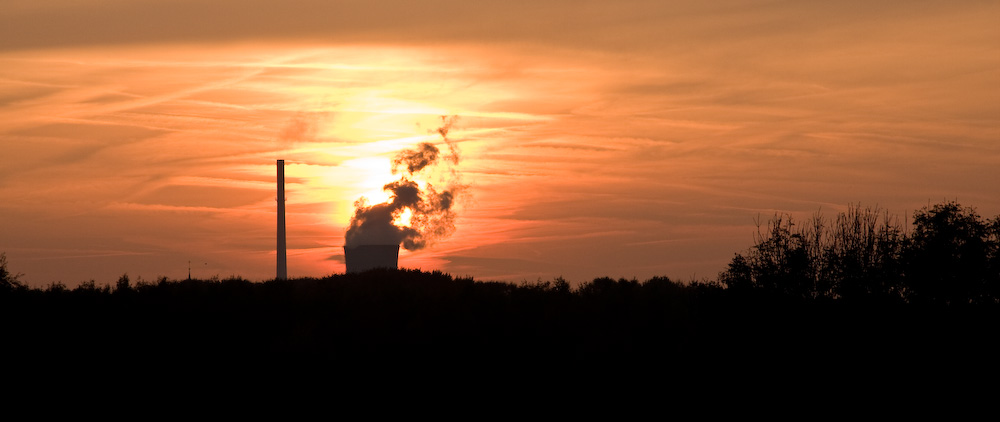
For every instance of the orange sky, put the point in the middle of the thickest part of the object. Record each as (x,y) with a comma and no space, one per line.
(623,139)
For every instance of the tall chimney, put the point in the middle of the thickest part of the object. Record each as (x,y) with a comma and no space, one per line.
(282,258)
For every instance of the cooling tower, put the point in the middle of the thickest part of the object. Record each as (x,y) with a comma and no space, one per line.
(365,257)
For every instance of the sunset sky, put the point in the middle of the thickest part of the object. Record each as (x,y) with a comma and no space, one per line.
(596,138)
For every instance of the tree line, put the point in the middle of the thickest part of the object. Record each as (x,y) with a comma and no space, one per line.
(851,292)
(950,256)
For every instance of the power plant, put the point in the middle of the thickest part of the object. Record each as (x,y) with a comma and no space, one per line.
(281,250)
(362,258)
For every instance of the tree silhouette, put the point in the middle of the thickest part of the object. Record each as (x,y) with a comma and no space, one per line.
(8,280)
(782,261)
(123,283)
(949,256)
(861,257)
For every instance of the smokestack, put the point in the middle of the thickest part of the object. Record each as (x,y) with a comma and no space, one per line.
(282,260)
(366,257)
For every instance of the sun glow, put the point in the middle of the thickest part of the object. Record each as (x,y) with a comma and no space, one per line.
(368,177)
(403,218)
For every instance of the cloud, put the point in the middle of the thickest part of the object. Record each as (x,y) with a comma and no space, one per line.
(301,127)
(644,24)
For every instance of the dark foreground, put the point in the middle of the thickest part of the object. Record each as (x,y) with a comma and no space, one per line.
(395,322)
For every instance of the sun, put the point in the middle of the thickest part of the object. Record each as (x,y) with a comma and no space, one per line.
(403,218)
(369,175)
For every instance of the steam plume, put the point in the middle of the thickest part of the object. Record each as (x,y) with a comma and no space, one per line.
(431,213)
